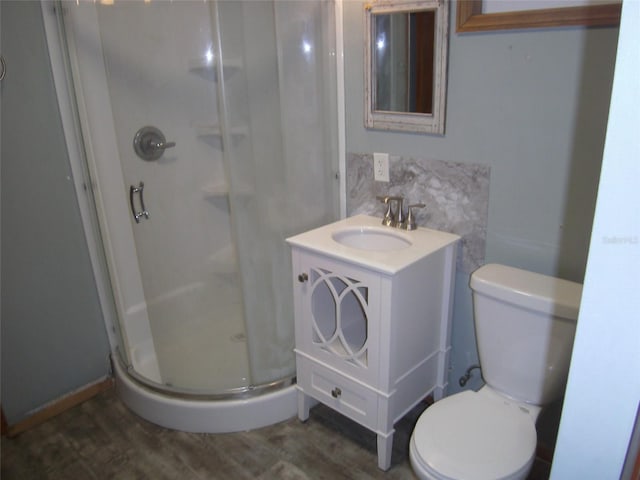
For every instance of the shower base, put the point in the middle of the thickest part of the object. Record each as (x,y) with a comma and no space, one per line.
(204,416)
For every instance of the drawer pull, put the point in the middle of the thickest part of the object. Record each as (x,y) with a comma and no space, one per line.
(336,392)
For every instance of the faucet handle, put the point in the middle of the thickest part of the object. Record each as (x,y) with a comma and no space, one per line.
(388,219)
(399,210)
(410,221)
(398,216)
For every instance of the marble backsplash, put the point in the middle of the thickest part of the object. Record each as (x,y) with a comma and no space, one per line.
(456,197)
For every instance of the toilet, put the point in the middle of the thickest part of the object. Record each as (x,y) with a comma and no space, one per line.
(525,324)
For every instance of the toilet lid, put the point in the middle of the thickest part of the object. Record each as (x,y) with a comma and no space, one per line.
(474,436)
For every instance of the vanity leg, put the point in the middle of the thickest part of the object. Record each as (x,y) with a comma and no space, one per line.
(304,404)
(385,444)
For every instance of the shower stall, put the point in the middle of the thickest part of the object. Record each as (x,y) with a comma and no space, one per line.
(208,134)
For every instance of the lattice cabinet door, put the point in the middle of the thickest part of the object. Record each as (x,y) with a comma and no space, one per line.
(339,320)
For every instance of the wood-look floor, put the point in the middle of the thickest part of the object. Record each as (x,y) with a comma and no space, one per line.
(102,439)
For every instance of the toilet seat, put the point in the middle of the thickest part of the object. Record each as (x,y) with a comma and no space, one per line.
(474,436)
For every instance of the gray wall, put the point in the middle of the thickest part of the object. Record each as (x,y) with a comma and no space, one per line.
(53,336)
(530,104)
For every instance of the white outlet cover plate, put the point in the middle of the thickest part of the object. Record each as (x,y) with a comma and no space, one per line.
(381,167)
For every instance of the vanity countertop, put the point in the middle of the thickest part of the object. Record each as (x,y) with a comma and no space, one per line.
(423,242)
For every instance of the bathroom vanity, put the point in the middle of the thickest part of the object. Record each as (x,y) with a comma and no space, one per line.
(372,320)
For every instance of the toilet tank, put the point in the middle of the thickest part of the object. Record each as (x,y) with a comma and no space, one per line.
(525,325)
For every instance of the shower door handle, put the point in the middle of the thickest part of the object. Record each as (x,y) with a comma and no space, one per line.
(140,191)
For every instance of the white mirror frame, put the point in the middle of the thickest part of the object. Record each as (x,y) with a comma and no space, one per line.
(403,121)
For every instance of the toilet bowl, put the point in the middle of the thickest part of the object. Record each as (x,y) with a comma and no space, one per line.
(476,436)
(525,324)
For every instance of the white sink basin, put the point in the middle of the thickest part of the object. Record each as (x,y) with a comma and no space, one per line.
(371,238)
(362,240)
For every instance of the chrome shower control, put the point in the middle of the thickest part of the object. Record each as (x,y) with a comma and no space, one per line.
(149,143)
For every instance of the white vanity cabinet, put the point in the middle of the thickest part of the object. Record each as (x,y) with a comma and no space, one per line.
(372,326)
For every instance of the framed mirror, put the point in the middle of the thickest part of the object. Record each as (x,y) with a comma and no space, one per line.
(593,13)
(406,65)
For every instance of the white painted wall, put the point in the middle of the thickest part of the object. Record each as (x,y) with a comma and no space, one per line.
(603,391)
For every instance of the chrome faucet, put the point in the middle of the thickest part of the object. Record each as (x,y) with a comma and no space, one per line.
(389,218)
(410,221)
(397,218)
(392,218)
(399,211)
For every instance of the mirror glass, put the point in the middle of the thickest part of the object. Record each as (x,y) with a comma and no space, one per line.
(404,46)
(405,65)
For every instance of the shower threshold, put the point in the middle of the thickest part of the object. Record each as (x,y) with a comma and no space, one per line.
(246,409)
(247,391)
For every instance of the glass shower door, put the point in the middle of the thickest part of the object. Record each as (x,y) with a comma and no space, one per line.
(187,330)
(235,102)
(283,174)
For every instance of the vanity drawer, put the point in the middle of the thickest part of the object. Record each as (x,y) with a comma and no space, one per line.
(350,398)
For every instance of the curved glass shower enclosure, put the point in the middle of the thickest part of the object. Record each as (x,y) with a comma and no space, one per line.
(209,132)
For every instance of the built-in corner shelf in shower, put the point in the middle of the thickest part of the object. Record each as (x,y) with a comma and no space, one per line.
(216,190)
(224,261)
(220,189)
(208,68)
(212,134)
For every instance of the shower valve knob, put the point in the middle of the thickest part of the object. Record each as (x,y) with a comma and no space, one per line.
(303,277)
(149,143)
